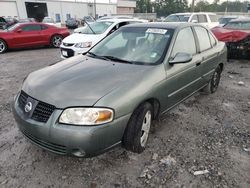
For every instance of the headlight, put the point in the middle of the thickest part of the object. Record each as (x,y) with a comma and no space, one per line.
(83,45)
(86,116)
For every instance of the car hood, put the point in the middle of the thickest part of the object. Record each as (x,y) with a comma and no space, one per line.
(80,81)
(77,38)
(230,35)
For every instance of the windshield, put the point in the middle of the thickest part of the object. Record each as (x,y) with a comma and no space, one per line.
(225,20)
(97,27)
(13,27)
(177,18)
(137,45)
(238,25)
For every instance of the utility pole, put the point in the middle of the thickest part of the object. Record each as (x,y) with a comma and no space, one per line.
(192,6)
(95,7)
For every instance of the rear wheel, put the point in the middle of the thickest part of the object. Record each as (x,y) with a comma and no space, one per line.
(56,41)
(137,130)
(3,46)
(214,82)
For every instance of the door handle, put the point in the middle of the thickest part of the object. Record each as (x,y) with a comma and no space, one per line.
(198,64)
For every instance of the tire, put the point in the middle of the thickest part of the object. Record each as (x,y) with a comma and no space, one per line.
(3,46)
(213,84)
(136,134)
(56,41)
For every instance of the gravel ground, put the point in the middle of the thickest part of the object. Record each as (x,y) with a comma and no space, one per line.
(207,132)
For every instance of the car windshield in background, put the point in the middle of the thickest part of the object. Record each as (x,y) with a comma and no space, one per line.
(48,21)
(134,45)
(224,20)
(13,27)
(177,18)
(238,25)
(97,27)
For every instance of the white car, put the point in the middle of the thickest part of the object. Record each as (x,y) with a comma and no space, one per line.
(207,19)
(50,21)
(88,36)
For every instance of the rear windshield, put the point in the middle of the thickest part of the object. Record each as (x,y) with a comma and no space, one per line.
(177,18)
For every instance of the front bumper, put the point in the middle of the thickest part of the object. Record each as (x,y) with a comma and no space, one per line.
(71,51)
(80,141)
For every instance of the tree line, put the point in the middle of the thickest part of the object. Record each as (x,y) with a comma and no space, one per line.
(166,7)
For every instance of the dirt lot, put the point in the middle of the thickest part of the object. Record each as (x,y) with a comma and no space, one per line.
(207,132)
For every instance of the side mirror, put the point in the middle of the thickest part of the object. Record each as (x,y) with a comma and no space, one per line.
(194,21)
(19,31)
(181,57)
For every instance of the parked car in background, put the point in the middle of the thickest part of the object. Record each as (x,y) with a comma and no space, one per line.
(225,19)
(26,35)
(236,34)
(209,20)
(88,19)
(72,23)
(86,105)
(115,17)
(51,21)
(26,20)
(11,21)
(3,23)
(92,33)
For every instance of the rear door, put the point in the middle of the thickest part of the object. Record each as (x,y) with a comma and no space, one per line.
(182,79)
(28,35)
(206,43)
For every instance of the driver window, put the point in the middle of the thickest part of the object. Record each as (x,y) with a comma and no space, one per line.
(184,42)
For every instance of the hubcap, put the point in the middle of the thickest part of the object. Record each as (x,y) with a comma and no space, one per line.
(2,46)
(57,40)
(145,128)
(216,79)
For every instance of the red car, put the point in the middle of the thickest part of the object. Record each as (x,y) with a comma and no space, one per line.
(236,34)
(25,35)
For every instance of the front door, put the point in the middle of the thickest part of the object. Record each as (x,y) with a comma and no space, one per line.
(183,79)
(28,35)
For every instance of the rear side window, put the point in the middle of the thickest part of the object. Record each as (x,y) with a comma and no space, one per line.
(31,28)
(202,18)
(213,18)
(212,39)
(203,38)
(184,42)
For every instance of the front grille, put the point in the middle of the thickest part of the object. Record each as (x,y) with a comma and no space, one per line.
(60,149)
(68,44)
(42,111)
(22,99)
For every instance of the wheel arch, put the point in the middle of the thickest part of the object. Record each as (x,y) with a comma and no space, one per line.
(221,66)
(5,41)
(155,104)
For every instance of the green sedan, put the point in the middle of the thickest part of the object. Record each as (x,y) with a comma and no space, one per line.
(85,105)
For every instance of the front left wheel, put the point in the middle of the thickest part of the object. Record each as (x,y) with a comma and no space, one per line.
(56,41)
(3,46)
(137,130)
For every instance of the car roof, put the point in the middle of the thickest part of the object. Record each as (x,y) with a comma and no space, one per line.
(163,25)
(190,13)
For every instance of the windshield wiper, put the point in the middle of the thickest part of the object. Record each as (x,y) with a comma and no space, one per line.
(97,56)
(117,59)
